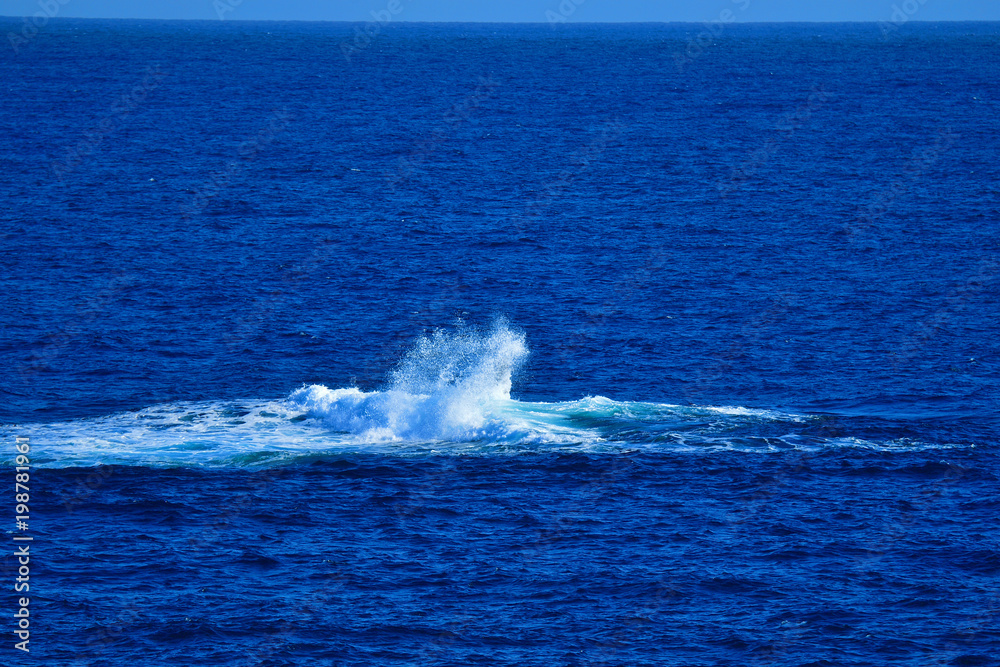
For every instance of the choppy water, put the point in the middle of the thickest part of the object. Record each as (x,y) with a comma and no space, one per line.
(449,395)
(504,344)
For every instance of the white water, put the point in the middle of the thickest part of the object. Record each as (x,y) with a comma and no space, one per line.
(449,395)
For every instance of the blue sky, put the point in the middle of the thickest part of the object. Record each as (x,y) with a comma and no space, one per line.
(519,10)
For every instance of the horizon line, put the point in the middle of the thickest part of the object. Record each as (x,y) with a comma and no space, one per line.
(235,20)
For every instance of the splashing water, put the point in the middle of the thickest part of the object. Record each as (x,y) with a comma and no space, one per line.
(449,394)
(450,386)
(477,363)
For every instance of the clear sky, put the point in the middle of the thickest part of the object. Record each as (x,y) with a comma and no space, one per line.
(520,10)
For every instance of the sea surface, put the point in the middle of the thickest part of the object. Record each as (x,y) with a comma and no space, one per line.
(475,344)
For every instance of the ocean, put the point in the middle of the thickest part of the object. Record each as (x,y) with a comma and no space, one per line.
(496,344)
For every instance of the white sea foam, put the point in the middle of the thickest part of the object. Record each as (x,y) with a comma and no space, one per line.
(449,387)
(449,395)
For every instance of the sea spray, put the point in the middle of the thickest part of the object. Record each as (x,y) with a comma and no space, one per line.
(449,386)
(481,363)
(449,394)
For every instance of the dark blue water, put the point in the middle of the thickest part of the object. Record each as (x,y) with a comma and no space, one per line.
(494,344)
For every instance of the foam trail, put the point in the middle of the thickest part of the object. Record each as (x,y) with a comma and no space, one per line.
(450,395)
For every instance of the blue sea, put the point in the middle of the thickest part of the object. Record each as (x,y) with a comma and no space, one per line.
(495,344)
